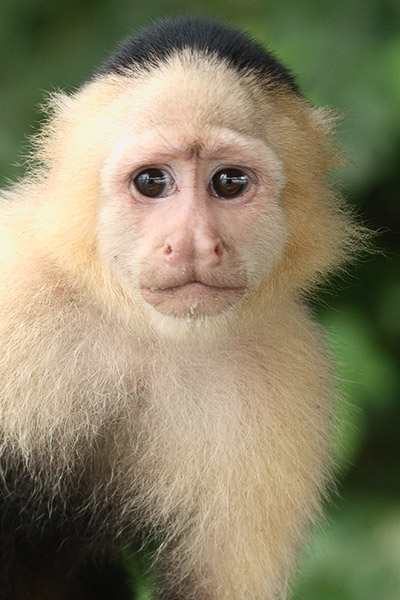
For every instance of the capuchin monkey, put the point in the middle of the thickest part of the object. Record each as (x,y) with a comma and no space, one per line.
(162,378)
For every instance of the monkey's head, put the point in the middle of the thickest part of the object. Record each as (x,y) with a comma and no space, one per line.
(194,169)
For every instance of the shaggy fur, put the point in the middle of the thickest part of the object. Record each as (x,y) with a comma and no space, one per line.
(208,433)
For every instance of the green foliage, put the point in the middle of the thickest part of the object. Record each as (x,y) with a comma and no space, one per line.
(347,56)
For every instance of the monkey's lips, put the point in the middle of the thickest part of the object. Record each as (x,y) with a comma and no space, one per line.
(192,298)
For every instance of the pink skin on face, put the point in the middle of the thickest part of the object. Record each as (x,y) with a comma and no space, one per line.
(193,258)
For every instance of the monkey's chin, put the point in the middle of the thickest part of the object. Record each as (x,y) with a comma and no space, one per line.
(201,318)
(193,300)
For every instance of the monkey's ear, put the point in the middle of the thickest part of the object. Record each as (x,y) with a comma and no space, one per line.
(323,122)
(55,109)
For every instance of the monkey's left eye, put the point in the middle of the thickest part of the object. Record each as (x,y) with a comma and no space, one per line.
(153,182)
(229,183)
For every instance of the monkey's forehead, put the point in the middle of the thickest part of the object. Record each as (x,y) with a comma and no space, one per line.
(189,93)
(155,44)
(185,91)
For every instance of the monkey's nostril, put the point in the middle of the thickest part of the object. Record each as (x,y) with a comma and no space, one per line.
(218,249)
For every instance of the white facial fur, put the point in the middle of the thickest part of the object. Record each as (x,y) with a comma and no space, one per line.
(191,254)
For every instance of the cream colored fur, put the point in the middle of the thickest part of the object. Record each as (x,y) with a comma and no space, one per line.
(211,433)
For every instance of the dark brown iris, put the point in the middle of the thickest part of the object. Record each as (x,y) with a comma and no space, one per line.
(229,183)
(152,182)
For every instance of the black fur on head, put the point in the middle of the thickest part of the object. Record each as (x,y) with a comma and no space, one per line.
(155,43)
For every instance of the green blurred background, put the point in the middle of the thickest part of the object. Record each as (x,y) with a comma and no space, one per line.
(346,55)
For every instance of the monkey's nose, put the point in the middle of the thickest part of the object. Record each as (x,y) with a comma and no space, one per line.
(204,251)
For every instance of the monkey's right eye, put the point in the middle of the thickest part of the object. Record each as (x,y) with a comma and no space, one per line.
(153,182)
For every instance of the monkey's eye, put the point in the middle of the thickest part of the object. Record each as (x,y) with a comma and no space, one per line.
(153,182)
(229,183)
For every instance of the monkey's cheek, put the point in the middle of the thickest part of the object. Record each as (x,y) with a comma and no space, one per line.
(192,300)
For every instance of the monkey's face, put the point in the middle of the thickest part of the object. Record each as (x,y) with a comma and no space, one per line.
(191,220)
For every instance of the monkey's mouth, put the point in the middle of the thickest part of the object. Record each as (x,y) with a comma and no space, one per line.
(192,298)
